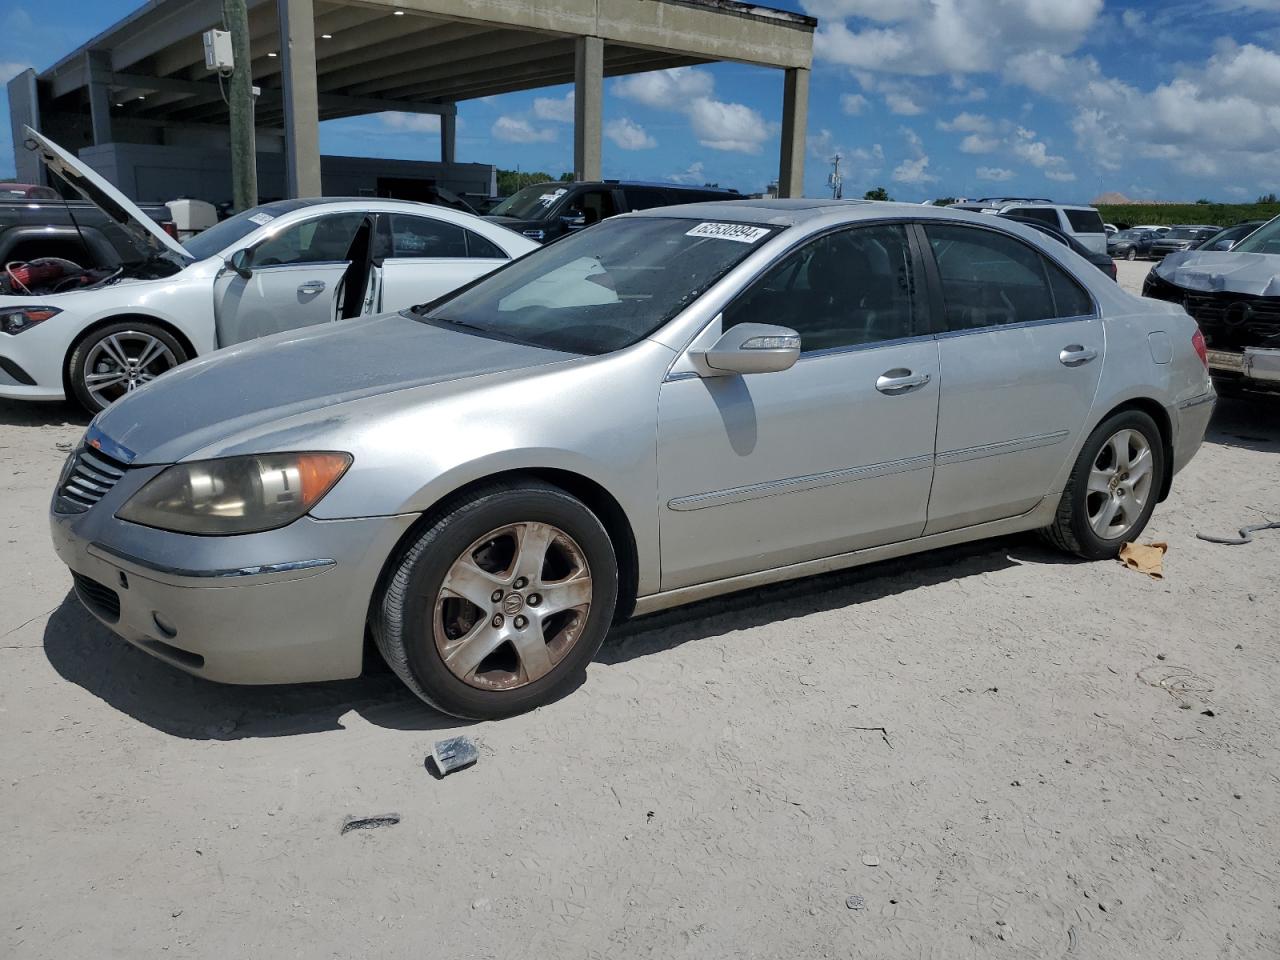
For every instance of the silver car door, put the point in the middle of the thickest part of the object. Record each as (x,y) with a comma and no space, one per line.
(831,455)
(1020,362)
(296,280)
(426,258)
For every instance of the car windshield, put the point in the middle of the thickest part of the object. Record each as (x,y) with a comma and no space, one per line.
(531,203)
(222,235)
(1266,239)
(601,289)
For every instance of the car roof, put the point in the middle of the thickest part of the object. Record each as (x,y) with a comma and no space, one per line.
(794,212)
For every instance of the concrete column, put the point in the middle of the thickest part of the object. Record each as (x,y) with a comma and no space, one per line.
(795,120)
(588,106)
(301,103)
(449,135)
(99,64)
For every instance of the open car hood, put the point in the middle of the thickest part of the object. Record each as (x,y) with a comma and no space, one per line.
(108,199)
(1216,271)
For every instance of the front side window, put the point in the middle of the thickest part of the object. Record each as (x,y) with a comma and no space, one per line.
(602,289)
(991,279)
(319,240)
(425,237)
(845,289)
(592,205)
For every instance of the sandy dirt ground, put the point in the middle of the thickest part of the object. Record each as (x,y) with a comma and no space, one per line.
(1001,751)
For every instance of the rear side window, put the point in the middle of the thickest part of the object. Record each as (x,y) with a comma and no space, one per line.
(1043,214)
(992,279)
(480,248)
(646,198)
(425,237)
(1085,221)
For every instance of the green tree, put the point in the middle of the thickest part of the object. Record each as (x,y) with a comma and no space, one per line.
(1203,202)
(1268,198)
(879,193)
(944,201)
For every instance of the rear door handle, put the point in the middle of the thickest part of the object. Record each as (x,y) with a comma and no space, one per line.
(1074,355)
(900,380)
(311,287)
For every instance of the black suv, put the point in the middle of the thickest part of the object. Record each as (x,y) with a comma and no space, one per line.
(547,211)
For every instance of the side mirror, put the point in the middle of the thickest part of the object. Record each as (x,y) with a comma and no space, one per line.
(754,348)
(242,262)
(574,222)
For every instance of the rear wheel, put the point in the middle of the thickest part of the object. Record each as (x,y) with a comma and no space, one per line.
(1113,488)
(1132,254)
(500,603)
(117,359)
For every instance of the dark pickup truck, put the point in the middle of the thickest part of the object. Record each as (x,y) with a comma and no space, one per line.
(72,230)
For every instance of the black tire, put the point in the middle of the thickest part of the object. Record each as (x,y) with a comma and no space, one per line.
(1132,254)
(1071,531)
(403,617)
(78,361)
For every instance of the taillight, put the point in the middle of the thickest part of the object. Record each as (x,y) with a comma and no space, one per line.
(1113,271)
(1197,341)
(170,228)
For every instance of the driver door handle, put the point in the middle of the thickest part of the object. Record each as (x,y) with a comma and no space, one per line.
(310,287)
(1074,355)
(899,380)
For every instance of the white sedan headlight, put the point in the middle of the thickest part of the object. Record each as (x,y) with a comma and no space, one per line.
(237,494)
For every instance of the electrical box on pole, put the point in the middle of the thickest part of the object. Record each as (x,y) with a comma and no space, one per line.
(218,54)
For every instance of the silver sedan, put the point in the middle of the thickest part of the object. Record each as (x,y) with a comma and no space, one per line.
(671,405)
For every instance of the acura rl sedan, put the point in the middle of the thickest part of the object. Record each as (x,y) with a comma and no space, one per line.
(671,405)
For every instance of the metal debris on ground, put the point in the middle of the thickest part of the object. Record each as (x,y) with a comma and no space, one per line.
(1146,558)
(870,860)
(1176,680)
(1246,534)
(454,754)
(369,823)
(855,902)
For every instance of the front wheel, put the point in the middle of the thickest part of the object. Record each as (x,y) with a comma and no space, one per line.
(500,604)
(1113,488)
(1132,254)
(117,359)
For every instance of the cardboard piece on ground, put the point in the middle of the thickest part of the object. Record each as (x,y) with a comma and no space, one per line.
(1146,558)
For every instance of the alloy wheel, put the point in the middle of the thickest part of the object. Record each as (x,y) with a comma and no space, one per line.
(1120,484)
(123,361)
(512,606)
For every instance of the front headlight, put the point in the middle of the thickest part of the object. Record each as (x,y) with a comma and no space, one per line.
(235,495)
(16,320)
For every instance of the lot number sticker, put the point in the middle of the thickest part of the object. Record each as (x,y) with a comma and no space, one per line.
(738,232)
(261,219)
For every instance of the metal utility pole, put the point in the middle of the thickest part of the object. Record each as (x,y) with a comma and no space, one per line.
(244,155)
(834,180)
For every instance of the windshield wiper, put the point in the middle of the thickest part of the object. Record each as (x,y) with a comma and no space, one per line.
(454,323)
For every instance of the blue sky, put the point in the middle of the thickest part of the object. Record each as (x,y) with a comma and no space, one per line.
(1057,98)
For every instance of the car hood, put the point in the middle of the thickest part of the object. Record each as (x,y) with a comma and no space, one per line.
(1214,271)
(107,198)
(249,386)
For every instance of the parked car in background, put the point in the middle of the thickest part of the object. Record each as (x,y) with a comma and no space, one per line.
(547,211)
(1110,228)
(1229,237)
(100,334)
(1100,260)
(1181,237)
(1083,223)
(38,228)
(1235,298)
(26,191)
(1130,244)
(672,405)
(1156,228)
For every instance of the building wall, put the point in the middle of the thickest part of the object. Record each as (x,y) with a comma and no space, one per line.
(154,172)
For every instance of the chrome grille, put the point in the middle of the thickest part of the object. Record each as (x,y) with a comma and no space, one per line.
(91,476)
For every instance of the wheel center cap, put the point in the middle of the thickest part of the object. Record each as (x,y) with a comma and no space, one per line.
(512,604)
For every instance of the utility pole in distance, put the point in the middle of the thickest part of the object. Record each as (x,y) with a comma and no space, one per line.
(244,156)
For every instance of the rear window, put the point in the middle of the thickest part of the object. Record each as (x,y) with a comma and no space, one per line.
(1085,221)
(1043,214)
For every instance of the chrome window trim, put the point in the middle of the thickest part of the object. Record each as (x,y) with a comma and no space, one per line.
(813,481)
(1020,325)
(861,347)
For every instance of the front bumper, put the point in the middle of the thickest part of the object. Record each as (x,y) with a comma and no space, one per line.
(1254,368)
(286,606)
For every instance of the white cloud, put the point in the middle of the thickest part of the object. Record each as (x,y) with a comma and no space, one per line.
(415,122)
(928,37)
(728,126)
(853,103)
(976,143)
(967,123)
(692,174)
(1062,176)
(516,130)
(665,89)
(914,171)
(629,135)
(556,109)
(995,174)
(1028,149)
(902,105)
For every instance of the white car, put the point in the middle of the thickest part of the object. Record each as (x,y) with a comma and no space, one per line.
(98,334)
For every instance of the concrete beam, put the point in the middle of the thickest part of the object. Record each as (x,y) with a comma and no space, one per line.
(301,104)
(795,113)
(426,82)
(506,46)
(588,106)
